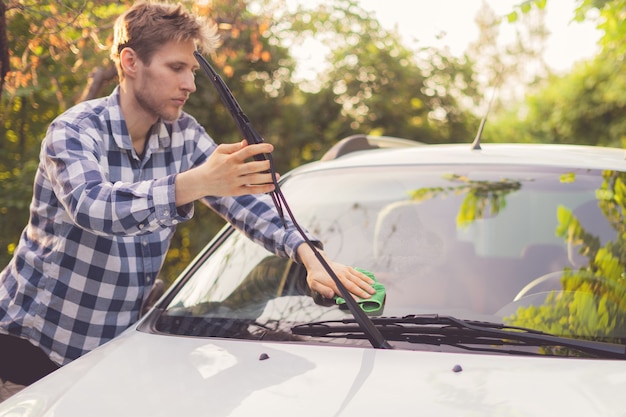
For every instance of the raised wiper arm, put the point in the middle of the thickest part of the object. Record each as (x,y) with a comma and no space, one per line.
(436,329)
(252,136)
(243,123)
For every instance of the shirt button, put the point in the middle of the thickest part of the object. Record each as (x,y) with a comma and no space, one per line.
(166,212)
(144,242)
(140,226)
(174,221)
(148,279)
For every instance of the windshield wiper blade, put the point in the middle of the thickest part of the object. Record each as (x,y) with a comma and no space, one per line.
(447,330)
(252,136)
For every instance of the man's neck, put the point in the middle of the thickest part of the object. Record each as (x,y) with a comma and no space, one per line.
(138,122)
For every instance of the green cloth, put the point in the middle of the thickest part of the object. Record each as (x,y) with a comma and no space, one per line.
(372,304)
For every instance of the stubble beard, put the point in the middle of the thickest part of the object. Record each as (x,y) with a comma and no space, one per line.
(151,106)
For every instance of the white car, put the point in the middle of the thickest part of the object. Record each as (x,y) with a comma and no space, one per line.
(504,295)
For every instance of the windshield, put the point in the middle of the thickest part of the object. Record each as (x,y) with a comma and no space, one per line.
(537,249)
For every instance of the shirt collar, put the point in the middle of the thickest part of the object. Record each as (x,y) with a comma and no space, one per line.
(117,124)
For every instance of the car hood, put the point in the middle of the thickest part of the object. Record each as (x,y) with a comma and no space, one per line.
(139,374)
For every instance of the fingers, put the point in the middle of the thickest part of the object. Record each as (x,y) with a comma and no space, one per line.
(259,178)
(254,167)
(254,189)
(257,149)
(237,173)
(257,184)
(363,281)
(255,177)
(242,151)
(229,148)
(358,284)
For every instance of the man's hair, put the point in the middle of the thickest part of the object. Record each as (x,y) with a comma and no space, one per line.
(147,26)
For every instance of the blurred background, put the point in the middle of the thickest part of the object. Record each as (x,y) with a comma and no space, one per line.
(310,72)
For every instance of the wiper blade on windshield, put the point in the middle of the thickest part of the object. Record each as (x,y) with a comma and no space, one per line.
(446,330)
(252,136)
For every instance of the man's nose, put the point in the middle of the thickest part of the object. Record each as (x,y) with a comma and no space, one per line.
(189,82)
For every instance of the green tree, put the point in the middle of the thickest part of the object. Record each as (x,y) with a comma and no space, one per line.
(610,20)
(506,70)
(378,86)
(585,106)
(53,48)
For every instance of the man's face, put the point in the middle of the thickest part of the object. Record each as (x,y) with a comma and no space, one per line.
(163,86)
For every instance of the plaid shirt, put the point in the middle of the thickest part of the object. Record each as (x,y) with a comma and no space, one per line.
(101,222)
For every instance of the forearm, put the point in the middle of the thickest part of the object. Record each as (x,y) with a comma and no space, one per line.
(189,187)
(307,257)
(256,217)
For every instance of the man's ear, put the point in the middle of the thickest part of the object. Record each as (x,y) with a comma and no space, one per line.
(129,62)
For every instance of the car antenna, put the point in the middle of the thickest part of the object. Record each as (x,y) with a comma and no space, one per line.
(252,136)
(476,142)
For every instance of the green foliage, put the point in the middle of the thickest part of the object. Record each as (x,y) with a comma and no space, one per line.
(380,87)
(592,302)
(610,21)
(586,106)
(52,48)
(525,7)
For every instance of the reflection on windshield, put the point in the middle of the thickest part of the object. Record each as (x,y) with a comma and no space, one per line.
(536,249)
(483,198)
(588,301)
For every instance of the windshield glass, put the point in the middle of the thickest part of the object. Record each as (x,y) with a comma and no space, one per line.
(538,249)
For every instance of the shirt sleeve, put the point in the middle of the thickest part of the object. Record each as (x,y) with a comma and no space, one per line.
(71,161)
(257,218)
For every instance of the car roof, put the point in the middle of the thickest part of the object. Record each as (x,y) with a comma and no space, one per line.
(540,155)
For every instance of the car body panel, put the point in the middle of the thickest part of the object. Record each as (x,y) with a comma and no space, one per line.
(578,156)
(153,375)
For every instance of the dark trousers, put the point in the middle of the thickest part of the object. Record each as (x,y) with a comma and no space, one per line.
(21,362)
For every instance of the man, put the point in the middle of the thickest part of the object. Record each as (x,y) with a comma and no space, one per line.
(116,176)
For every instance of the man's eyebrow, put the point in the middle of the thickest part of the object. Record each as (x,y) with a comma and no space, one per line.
(194,66)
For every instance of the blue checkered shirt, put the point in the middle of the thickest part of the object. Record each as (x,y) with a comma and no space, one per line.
(101,220)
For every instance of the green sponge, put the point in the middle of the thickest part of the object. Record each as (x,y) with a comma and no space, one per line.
(372,304)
